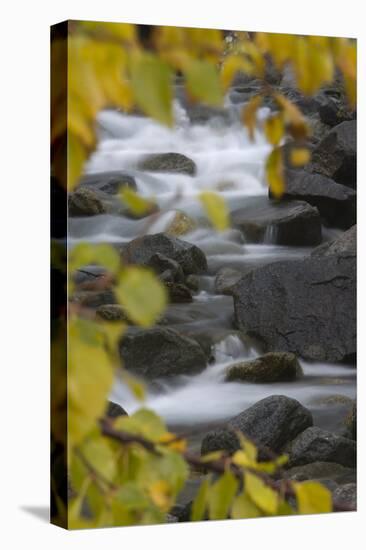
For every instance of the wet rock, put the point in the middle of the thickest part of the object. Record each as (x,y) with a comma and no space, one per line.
(307,307)
(161,352)
(109,182)
(225,279)
(180,224)
(336,203)
(178,293)
(201,114)
(271,367)
(322,470)
(279,222)
(334,413)
(271,423)
(346,496)
(111,312)
(335,155)
(85,202)
(220,440)
(161,264)
(114,410)
(94,298)
(344,246)
(317,445)
(350,423)
(190,257)
(174,163)
(193,282)
(334,106)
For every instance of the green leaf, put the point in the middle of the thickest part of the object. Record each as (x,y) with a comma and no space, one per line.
(142,295)
(221,496)
(203,82)
(200,502)
(90,378)
(100,455)
(312,498)
(143,422)
(132,497)
(216,209)
(151,85)
(103,254)
(263,496)
(243,507)
(137,205)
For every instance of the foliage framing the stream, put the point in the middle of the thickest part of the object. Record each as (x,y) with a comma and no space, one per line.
(129,470)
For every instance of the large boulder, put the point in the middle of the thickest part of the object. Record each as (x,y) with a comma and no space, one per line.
(346,495)
(271,367)
(336,203)
(335,155)
(174,163)
(304,306)
(279,222)
(161,352)
(161,264)
(343,246)
(315,444)
(271,423)
(85,202)
(110,182)
(190,257)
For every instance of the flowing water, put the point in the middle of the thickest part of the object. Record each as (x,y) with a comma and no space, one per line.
(233,166)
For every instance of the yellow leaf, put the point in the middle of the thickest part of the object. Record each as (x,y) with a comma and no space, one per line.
(249,114)
(231,65)
(141,294)
(136,386)
(275,173)
(160,494)
(243,507)
(202,82)
(216,209)
(293,117)
(312,498)
(151,85)
(221,496)
(137,204)
(212,457)
(263,496)
(274,129)
(76,157)
(299,156)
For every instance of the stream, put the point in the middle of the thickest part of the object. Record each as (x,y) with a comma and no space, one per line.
(227,162)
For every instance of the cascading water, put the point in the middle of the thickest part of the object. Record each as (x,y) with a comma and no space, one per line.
(230,164)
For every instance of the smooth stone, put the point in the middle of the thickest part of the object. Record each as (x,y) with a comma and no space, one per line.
(85,202)
(174,163)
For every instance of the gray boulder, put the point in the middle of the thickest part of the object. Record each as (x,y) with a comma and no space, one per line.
(346,495)
(322,470)
(279,222)
(271,423)
(178,293)
(271,367)
(174,163)
(109,182)
(305,306)
(335,155)
(190,257)
(161,352)
(85,202)
(336,203)
(315,444)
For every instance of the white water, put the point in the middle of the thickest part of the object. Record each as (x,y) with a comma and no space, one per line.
(230,164)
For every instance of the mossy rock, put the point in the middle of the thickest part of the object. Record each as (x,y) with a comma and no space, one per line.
(271,367)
